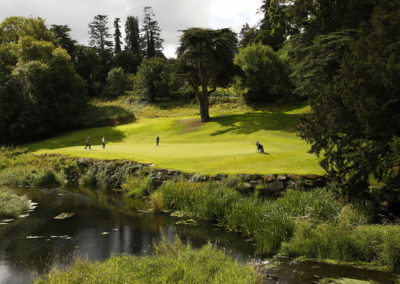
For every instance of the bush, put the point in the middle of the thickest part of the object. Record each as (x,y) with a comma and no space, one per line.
(265,75)
(47,179)
(157,201)
(153,79)
(138,186)
(116,83)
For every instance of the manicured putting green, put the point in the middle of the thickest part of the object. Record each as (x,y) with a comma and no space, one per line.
(224,145)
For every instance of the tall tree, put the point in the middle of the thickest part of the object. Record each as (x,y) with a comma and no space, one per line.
(355,121)
(99,33)
(132,38)
(205,59)
(151,34)
(62,35)
(117,36)
(247,35)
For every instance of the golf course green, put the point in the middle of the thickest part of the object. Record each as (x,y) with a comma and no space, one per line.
(224,145)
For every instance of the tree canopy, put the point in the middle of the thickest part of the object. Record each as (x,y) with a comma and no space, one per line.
(205,59)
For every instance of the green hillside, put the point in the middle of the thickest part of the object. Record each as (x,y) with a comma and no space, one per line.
(224,145)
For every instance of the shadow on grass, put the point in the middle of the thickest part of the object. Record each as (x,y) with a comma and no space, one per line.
(78,138)
(248,123)
(101,117)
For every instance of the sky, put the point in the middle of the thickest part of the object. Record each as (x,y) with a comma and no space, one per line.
(172,15)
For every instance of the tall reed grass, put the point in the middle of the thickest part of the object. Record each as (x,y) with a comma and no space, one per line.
(171,263)
(268,222)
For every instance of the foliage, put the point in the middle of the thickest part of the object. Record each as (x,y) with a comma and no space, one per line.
(171,263)
(138,186)
(265,76)
(14,28)
(61,34)
(157,201)
(40,91)
(12,205)
(116,83)
(205,60)
(153,79)
(354,122)
(315,65)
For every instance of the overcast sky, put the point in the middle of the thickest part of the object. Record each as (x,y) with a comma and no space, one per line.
(172,15)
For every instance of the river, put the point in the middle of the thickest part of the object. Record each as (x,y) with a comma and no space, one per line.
(31,246)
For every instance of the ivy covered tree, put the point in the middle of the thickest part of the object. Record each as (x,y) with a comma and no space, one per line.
(355,120)
(132,35)
(117,36)
(205,60)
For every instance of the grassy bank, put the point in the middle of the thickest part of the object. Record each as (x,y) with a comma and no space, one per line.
(301,223)
(224,145)
(171,263)
(12,205)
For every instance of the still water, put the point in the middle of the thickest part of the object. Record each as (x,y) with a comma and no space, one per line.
(31,246)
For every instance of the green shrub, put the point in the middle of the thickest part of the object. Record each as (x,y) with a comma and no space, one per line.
(157,201)
(47,179)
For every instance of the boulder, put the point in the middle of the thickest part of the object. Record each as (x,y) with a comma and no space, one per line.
(269,178)
(281,177)
(275,186)
(294,177)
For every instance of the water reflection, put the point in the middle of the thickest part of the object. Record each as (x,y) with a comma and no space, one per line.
(101,227)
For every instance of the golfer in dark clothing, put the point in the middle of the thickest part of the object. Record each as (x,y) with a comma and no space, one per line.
(88,143)
(157,140)
(260,148)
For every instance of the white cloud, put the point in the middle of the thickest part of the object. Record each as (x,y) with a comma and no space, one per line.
(172,15)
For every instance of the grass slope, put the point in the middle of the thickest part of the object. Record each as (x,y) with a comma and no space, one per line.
(224,145)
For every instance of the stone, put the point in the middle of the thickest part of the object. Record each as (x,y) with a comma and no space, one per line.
(281,177)
(64,216)
(294,177)
(275,186)
(312,177)
(256,182)
(269,178)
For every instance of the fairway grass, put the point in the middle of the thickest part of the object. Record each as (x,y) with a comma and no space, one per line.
(224,145)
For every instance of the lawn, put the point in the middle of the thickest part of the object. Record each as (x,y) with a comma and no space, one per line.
(224,145)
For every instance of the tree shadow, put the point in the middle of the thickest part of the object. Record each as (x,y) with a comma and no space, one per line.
(251,122)
(95,122)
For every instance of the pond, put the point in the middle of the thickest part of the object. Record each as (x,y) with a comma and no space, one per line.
(103,225)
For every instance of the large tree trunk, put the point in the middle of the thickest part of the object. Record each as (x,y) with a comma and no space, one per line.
(203,101)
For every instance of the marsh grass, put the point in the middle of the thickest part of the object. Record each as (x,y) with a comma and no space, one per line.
(12,205)
(268,222)
(171,263)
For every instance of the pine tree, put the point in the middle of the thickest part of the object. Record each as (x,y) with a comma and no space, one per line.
(99,33)
(151,34)
(132,38)
(117,36)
